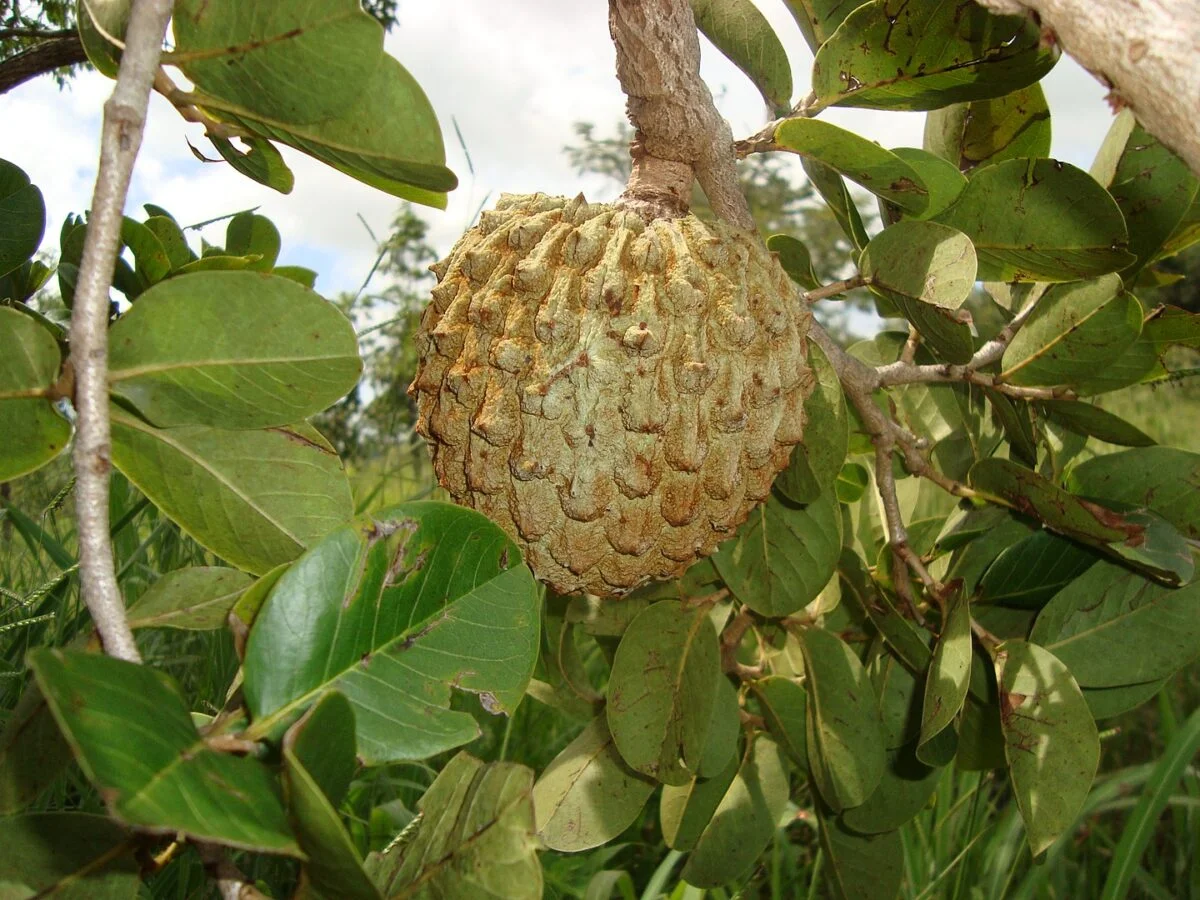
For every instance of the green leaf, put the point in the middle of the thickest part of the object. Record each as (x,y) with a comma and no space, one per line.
(852,482)
(859,589)
(255,498)
(171,238)
(588,795)
(398,608)
(388,138)
(1086,419)
(1033,495)
(1050,740)
(1074,330)
(892,54)
(197,598)
(113,17)
(984,132)
(1161,479)
(944,182)
(248,233)
(817,460)
(22,217)
(1105,703)
(150,257)
(899,692)
(1016,421)
(131,733)
(33,752)
(475,837)
(745,819)
(906,787)
(746,38)
(1186,233)
(1142,823)
(1031,571)
(861,867)
(232,350)
(662,688)
(260,162)
(864,162)
(928,271)
(322,744)
(795,259)
(724,727)
(843,736)
(685,810)
(818,19)
(783,555)
(298,63)
(1153,187)
(68,856)
(298,274)
(34,432)
(1113,627)
(784,706)
(833,191)
(1056,224)
(949,674)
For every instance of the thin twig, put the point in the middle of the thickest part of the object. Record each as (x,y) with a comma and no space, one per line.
(232,884)
(124,123)
(764,140)
(834,288)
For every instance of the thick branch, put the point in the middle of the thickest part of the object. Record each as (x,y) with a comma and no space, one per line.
(678,127)
(1147,51)
(61,49)
(121,138)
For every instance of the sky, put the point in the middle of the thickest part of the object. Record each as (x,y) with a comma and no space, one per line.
(514,76)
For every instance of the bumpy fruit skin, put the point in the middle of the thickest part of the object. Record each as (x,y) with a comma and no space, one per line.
(616,395)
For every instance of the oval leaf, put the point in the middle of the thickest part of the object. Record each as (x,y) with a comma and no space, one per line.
(34,432)
(475,837)
(928,271)
(321,742)
(255,498)
(949,673)
(861,867)
(784,706)
(684,811)
(1153,187)
(1050,740)
(1074,330)
(398,608)
(299,62)
(232,350)
(1040,220)
(197,598)
(1163,480)
(662,689)
(984,132)
(745,819)
(1113,627)
(105,708)
(892,54)
(906,787)
(388,138)
(68,855)
(864,162)
(843,735)
(1092,421)
(746,38)
(588,795)
(22,217)
(816,461)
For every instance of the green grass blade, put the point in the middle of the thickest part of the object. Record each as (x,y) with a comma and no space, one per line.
(1138,830)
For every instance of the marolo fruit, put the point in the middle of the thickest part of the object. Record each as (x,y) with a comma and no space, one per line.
(616,394)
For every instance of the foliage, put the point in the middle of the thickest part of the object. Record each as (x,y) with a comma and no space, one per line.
(888,682)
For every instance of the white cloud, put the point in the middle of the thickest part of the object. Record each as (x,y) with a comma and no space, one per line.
(515,76)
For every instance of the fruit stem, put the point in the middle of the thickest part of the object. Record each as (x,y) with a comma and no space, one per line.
(679,133)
